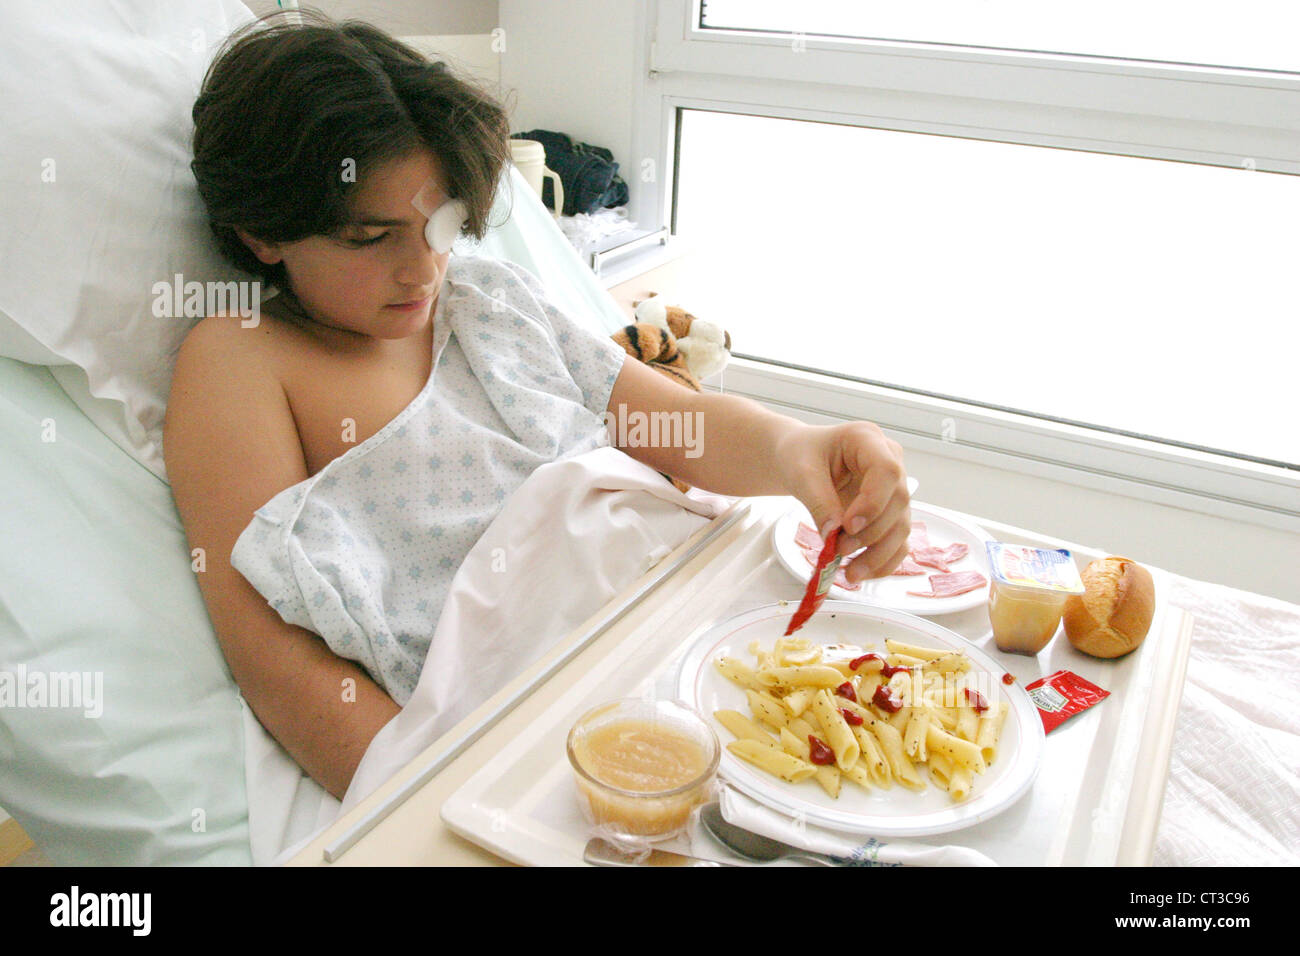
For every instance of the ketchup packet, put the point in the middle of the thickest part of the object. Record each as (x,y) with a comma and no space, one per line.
(1060,696)
(822,577)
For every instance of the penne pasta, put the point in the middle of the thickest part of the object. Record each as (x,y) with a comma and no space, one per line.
(844,668)
(837,734)
(814,675)
(914,733)
(948,663)
(946,716)
(743,728)
(912,650)
(767,708)
(859,775)
(827,777)
(967,722)
(799,656)
(738,673)
(872,760)
(908,685)
(792,693)
(990,730)
(801,728)
(899,720)
(940,769)
(867,685)
(776,762)
(961,752)
(872,665)
(891,745)
(797,701)
(956,780)
(906,660)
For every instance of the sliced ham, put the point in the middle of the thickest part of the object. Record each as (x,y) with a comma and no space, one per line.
(931,557)
(909,567)
(807,537)
(921,555)
(955,552)
(950,585)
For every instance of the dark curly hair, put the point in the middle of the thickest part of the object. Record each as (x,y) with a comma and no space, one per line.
(288,107)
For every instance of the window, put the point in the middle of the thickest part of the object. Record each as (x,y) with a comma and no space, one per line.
(1133,295)
(1259,35)
(992,179)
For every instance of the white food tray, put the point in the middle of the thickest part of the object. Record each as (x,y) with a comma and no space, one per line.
(1096,799)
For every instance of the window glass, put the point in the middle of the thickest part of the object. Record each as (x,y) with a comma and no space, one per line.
(1260,34)
(1148,297)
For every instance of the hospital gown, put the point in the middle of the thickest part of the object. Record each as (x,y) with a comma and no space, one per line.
(363,552)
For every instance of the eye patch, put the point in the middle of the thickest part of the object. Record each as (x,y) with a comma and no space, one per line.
(446,219)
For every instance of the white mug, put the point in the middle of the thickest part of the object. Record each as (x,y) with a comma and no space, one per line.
(529,157)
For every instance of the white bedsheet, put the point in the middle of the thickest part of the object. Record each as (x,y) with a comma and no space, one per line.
(575,534)
(1233,797)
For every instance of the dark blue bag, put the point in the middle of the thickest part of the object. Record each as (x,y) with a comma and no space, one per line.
(588,173)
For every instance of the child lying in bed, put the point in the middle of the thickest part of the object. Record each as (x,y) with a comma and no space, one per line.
(323,152)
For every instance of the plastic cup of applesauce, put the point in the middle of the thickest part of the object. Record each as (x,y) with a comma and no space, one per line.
(1027,594)
(642,766)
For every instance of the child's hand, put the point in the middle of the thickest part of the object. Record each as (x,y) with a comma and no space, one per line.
(852,475)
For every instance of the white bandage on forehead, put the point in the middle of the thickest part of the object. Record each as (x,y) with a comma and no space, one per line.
(446,216)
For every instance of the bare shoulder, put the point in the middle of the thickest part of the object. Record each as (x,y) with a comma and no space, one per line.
(222,354)
(259,345)
(229,437)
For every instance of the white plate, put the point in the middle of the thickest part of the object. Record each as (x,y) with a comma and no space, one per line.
(944,528)
(893,812)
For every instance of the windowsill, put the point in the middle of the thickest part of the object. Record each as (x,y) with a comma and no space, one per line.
(1146,470)
(635,263)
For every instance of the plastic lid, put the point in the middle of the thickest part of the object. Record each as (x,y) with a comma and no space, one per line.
(527,151)
(1040,568)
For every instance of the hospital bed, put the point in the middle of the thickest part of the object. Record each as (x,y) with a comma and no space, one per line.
(97,576)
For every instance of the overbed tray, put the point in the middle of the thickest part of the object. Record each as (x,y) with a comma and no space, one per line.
(1096,800)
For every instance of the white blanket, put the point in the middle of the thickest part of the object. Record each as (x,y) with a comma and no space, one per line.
(1233,797)
(574,535)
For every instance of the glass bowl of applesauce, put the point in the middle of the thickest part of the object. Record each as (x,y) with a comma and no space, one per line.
(641,767)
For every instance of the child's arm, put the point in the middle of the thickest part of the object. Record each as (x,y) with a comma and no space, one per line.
(231,445)
(842,473)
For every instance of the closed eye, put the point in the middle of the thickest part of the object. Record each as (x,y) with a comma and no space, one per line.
(360,243)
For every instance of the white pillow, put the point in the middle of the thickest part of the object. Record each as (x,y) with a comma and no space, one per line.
(95,580)
(97,202)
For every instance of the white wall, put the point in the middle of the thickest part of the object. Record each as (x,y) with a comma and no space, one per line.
(571,66)
(473,56)
(403,17)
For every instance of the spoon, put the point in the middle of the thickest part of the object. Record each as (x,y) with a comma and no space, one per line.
(751,846)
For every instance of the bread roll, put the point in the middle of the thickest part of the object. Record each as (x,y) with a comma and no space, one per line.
(1114,615)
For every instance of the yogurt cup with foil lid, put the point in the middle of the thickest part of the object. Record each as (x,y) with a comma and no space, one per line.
(1038,568)
(1027,594)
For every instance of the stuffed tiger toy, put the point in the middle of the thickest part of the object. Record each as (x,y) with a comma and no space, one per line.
(676,343)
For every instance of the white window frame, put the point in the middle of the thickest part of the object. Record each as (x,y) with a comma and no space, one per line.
(1217,116)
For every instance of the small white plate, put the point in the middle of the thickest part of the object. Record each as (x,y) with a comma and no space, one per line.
(897,811)
(944,528)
